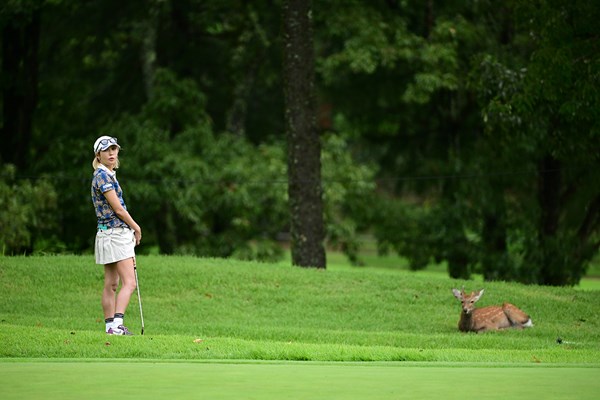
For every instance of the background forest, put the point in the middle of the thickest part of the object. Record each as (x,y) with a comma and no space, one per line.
(464,131)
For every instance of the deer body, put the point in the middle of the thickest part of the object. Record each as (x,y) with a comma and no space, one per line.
(488,318)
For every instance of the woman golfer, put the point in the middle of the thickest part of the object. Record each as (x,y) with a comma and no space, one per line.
(117,235)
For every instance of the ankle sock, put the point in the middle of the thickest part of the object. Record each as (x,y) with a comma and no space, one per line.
(109,323)
(118,319)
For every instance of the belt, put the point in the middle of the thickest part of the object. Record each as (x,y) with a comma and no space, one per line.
(106,227)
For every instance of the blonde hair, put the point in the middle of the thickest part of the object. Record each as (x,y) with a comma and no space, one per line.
(96,163)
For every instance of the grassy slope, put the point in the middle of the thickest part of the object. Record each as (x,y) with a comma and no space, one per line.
(225,309)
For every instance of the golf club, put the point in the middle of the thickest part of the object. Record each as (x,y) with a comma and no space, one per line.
(137,284)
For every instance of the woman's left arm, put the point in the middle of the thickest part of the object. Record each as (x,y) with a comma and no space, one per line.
(123,214)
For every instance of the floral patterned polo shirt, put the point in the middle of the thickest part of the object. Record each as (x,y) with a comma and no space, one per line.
(103,181)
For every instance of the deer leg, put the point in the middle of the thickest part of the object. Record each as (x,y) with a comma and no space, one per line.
(515,316)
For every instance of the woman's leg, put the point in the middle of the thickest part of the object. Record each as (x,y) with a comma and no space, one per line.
(111,282)
(125,271)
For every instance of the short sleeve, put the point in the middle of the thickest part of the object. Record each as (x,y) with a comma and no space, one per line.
(106,187)
(104,183)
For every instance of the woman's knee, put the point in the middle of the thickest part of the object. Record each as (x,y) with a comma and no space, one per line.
(111,286)
(111,277)
(127,274)
(129,285)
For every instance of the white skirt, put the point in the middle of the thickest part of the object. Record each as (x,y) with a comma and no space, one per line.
(114,245)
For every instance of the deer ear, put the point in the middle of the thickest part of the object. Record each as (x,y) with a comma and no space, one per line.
(457,294)
(478,295)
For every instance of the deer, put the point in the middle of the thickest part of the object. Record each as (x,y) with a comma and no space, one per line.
(488,318)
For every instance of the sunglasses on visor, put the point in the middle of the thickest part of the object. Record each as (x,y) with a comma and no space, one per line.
(104,143)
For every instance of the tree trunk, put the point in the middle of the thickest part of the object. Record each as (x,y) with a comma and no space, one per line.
(496,263)
(20,43)
(549,195)
(304,147)
(238,113)
(148,31)
(507,32)
(429,19)
(166,230)
(549,188)
(495,258)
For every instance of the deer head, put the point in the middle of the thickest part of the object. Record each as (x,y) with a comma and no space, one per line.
(467,300)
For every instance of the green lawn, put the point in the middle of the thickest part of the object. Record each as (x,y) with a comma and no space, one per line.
(286,380)
(242,310)
(231,329)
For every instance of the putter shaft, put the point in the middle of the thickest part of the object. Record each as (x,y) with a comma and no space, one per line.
(137,285)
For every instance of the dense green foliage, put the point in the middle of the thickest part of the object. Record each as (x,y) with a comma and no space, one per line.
(463,132)
(28,213)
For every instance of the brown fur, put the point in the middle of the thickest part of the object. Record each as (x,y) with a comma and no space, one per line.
(488,318)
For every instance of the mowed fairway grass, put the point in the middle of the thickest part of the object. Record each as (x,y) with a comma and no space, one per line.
(226,329)
(292,380)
